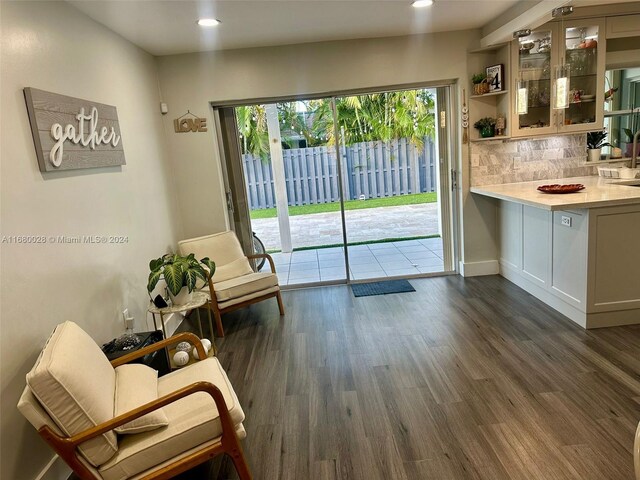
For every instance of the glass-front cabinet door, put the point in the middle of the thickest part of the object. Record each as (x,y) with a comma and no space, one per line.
(583,49)
(533,58)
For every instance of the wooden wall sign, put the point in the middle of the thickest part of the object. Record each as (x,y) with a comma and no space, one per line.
(71,133)
(189,123)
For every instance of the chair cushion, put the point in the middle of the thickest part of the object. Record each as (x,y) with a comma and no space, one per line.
(136,385)
(75,383)
(246,298)
(193,420)
(244,285)
(224,249)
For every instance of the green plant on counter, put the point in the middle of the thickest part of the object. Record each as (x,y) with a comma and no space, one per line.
(180,271)
(595,140)
(478,78)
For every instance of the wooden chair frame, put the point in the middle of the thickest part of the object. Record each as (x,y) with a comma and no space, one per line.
(228,444)
(217,311)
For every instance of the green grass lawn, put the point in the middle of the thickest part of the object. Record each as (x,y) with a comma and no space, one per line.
(349,205)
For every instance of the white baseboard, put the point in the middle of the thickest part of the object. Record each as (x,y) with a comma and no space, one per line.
(477,269)
(56,469)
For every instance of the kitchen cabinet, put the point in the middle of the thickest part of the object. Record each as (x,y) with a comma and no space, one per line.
(582,46)
(623,26)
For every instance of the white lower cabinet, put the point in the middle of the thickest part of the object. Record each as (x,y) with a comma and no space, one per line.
(583,263)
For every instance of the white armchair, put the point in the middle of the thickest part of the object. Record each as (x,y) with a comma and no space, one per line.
(234,285)
(72,398)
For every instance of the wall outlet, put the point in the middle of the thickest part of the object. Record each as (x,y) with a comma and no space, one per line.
(566,221)
(125,314)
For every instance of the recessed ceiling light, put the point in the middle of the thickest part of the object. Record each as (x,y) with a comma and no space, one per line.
(208,22)
(422,3)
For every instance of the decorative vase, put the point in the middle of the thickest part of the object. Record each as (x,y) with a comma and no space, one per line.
(184,296)
(593,154)
(488,131)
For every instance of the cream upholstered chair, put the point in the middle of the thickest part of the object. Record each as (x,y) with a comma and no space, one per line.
(234,284)
(184,418)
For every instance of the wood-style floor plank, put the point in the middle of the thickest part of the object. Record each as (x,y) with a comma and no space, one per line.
(462,379)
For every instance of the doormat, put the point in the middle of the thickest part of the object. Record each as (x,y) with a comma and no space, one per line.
(381,288)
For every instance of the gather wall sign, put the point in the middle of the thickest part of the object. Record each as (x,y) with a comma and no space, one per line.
(71,133)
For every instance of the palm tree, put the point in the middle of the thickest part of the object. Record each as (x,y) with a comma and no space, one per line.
(363,118)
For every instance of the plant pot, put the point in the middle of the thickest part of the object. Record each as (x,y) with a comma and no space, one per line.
(184,296)
(487,132)
(629,150)
(593,154)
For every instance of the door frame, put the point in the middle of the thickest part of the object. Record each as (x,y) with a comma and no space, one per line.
(448,177)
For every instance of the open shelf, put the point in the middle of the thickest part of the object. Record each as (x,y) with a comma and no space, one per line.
(492,94)
(503,137)
(605,162)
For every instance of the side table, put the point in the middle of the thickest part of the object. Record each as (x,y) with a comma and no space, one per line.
(198,300)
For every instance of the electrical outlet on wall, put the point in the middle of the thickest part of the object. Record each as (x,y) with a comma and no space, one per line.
(125,314)
(565,220)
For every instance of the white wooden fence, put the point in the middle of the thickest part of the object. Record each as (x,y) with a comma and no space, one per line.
(373,169)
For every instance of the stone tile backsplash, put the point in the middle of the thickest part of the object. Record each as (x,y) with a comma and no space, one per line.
(509,161)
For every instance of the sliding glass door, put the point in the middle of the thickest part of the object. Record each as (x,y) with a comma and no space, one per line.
(347,188)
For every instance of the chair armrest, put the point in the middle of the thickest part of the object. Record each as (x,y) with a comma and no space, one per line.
(264,255)
(180,337)
(196,387)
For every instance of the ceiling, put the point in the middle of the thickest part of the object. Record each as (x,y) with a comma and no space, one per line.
(169,27)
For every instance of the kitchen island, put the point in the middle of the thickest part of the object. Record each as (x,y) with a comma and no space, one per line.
(576,252)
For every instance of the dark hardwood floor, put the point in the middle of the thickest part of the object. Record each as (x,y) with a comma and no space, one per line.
(463,379)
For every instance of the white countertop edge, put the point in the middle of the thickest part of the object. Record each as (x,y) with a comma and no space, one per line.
(562,201)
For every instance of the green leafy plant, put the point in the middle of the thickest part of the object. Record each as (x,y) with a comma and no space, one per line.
(180,271)
(596,140)
(486,122)
(478,78)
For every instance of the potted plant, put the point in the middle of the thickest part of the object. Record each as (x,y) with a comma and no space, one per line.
(480,85)
(630,132)
(181,275)
(595,142)
(486,126)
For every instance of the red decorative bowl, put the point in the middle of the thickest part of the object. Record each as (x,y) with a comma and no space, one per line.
(570,188)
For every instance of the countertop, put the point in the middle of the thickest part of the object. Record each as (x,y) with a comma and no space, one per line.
(599,192)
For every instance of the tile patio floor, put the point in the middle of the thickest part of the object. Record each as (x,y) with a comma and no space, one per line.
(376,260)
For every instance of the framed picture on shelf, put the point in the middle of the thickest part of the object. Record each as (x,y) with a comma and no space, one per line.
(495,78)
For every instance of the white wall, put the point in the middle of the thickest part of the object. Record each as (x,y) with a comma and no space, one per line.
(52,46)
(191,81)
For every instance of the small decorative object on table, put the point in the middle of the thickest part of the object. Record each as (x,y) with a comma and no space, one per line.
(181,358)
(207,346)
(480,85)
(181,274)
(486,127)
(595,142)
(556,188)
(183,347)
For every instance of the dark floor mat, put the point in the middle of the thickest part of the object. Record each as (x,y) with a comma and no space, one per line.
(381,288)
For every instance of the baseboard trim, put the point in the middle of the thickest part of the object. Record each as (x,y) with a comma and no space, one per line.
(477,269)
(56,469)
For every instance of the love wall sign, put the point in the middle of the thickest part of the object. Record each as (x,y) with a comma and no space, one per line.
(70,133)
